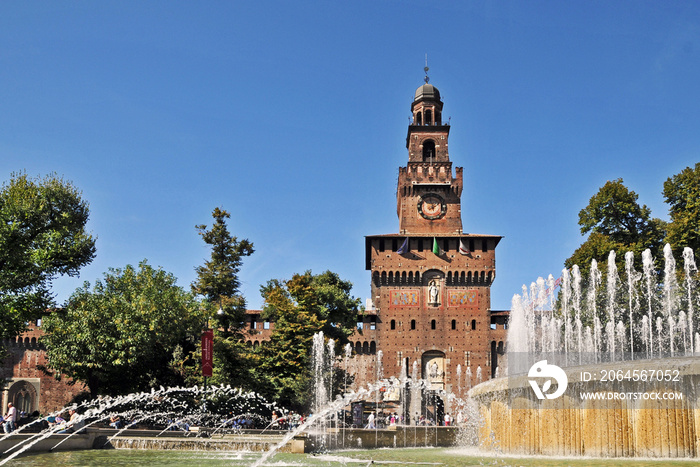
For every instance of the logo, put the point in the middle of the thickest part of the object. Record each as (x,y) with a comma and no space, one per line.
(541,370)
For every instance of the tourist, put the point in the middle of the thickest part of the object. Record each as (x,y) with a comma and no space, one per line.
(10,419)
(460,418)
(74,424)
(370,422)
(116,422)
(448,419)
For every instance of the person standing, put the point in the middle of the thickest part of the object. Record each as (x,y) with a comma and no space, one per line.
(10,419)
(370,422)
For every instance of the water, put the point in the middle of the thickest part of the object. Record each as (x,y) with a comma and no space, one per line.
(215,408)
(628,316)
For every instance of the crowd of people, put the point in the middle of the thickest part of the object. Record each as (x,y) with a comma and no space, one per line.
(383,420)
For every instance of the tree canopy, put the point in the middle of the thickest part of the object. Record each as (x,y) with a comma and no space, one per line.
(217,281)
(42,236)
(125,333)
(300,307)
(682,193)
(615,221)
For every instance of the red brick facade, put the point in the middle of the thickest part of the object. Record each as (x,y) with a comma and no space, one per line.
(25,384)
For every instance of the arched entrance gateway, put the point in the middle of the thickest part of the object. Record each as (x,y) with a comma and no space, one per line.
(23,395)
(433,371)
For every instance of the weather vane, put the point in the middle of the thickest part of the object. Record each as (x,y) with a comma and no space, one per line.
(426,69)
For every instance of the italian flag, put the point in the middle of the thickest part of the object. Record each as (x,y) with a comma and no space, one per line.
(436,248)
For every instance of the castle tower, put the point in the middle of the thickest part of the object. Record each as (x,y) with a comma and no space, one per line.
(431,281)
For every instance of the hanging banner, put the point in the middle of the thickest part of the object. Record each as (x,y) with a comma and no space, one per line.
(207,352)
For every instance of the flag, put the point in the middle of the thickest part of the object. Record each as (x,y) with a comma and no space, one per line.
(463,248)
(436,248)
(404,247)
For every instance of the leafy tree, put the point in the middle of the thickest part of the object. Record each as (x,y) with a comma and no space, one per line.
(42,235)
(217,280)
(616,221)
(123,334)
(682,193)
(300,307)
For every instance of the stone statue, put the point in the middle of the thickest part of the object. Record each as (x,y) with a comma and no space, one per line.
(433,292)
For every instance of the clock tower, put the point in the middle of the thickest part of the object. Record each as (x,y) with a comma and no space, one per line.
(430,312)
(428,196)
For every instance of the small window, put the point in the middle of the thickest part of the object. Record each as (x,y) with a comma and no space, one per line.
(266,325)
(473,324)
(360,325)
(429,151)
(433,324)
(454,324)
(373,324)
(493,326)
(393,324)
(413,324)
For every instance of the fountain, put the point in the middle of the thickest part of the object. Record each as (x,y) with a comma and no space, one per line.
(611,369)
(216,413)
(211,418)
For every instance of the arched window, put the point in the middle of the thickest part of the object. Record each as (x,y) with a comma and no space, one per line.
(393,324)
(419,118)
(358,347)
(473,324)
(365,347)
(373,347)
(428,116)
(454,324)
(428,150)
(433,324)
(413,324)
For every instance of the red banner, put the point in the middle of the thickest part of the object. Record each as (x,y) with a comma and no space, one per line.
(207,352)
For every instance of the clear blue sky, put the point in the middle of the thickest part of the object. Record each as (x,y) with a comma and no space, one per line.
(292,115)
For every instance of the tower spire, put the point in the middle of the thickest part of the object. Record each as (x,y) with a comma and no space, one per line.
(427,78)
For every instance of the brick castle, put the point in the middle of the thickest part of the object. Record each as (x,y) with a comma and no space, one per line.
(430,307)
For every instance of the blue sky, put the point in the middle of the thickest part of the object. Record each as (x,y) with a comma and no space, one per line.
(293,117)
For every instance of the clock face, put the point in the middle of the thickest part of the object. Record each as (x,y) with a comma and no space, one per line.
(432,206)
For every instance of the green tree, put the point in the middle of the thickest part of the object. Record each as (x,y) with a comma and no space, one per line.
(217,281)
(300,307)
(615,221)
(682,193)
(42,236)
(126,333)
